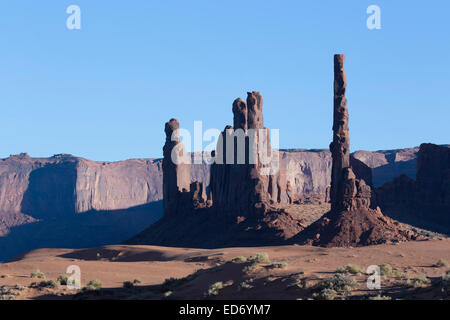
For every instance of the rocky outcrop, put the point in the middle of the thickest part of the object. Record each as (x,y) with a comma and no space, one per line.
(433,176)
(426,201)
(245,191)
(241,181)
(350,222)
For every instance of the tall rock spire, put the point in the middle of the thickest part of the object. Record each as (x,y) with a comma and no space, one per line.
(176,171)
(350,222)
(340,146)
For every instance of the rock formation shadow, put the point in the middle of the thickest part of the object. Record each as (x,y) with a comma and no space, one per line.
(51,191)
(116,255)
(387,172)
(82,230)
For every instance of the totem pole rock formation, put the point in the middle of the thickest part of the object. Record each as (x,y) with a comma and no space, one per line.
(340,147)
(242,184)
(350,222)
(346,192)
(244,202)
(246,187)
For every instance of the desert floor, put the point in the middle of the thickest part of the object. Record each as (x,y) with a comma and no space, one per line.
(209,274)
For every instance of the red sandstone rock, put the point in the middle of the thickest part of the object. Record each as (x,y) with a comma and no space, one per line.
(350,222)
(239,186)
(176,172)
(340,146)
(243,209)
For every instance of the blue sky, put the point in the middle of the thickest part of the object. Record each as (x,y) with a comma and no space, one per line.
(105,91)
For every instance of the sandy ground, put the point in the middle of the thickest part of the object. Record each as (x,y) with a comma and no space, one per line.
(152,265)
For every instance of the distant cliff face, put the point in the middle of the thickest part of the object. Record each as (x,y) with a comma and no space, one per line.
(62,187)
(65,201)
(426,201)
(388,164)
(63,184)
(117,185)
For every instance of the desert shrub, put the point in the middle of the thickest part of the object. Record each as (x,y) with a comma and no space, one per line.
(385,269)
(278,265)
(339,282)
(51,284)
(260,258)
(247,284)
(63,279)
(238,259)
(37,274)
(297,283)
(137,281)
(19,287)
(93,285)
(441,263)
(444,284)
(4,290)
(174,283)
(3,276)
(417,282)
(7,293)
(214,289)
(379,297)
(350,268)
(248,269)
(326,294)
(128,284)
(167,294)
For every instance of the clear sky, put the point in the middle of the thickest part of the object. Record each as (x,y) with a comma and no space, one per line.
(105,91)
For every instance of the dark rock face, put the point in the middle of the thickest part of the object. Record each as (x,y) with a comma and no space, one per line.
(399,191)
(240,114)
(176,170)
(433,175)
(350,222)
(51,190)
(198,195)
(361,170)
(426,201)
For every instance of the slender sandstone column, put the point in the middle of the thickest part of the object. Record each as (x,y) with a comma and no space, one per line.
(176,176)
(340,147)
